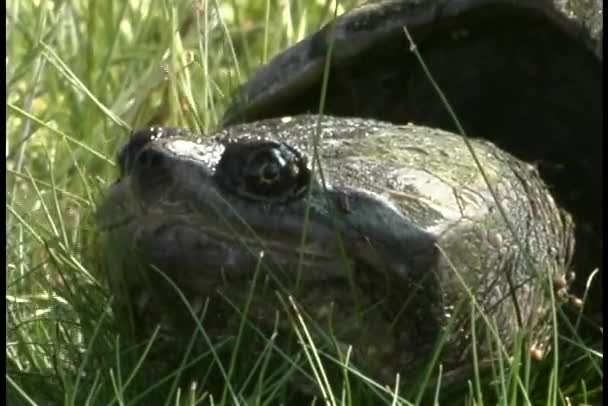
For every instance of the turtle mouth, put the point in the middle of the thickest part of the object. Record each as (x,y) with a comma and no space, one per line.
(196,256)
(330,271)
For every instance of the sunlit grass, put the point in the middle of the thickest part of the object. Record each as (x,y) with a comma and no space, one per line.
(80,76)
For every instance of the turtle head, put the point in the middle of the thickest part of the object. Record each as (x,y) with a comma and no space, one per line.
(196,209)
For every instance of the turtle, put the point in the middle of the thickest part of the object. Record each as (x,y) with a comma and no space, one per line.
(372,218)
(526,75)
(388,249)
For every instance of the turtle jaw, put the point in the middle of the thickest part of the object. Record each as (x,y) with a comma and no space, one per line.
(184,231)
(197,238)
(215,260)
(215,252)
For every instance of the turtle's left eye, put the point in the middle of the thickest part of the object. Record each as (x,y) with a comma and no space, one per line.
(263,170)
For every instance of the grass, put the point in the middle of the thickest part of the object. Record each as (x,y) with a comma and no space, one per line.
(80,76)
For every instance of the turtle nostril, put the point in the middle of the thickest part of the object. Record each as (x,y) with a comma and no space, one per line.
(150,159)
(151,173)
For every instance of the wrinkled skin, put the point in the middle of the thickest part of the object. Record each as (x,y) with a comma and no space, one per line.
(526,75)
(404,222)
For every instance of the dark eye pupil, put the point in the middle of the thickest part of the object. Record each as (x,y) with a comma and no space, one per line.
(267,169)
(270,172)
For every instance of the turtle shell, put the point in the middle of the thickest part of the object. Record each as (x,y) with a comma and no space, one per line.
(526,75)
(377,23)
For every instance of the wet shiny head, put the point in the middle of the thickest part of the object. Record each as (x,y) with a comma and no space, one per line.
(214,204)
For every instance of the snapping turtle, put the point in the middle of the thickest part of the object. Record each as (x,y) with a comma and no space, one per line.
(387,250)
(526,75)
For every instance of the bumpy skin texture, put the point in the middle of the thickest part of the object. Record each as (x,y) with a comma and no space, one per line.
(404,223)
(526,75)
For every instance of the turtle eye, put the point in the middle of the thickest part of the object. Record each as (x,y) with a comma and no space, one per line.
(263,170)
(269,167)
